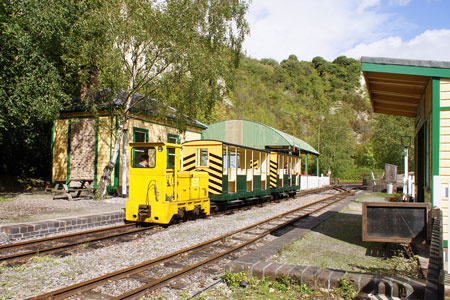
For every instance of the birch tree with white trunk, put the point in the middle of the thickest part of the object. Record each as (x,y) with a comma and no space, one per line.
(178,51)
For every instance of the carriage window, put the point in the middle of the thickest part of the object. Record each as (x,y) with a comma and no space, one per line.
(170,158)
(233,161)
(143,157)
(202,157)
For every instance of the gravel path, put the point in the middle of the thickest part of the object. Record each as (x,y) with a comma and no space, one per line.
(44,274)
(41,206)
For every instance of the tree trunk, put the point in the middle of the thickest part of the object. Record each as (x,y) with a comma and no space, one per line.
(124,164)
(104,180)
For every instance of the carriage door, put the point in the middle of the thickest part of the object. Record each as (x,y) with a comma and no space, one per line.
(170,174)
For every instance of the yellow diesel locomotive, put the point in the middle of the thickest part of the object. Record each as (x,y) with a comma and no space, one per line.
(159,191)
(215,175)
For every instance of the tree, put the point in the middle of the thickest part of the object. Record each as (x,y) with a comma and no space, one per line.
(48,54)
(182,50)
(386,139)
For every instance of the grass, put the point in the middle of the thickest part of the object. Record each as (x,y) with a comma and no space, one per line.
(4,199)
(241,287)
(337,244)
(44,259)
(371,196)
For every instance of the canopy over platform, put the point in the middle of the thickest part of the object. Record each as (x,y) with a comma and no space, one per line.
(256,135)
(396,86)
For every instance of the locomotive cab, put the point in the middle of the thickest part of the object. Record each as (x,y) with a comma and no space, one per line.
(159,191)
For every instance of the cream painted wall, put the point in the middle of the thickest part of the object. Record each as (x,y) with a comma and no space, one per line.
(444,154)
(156,133)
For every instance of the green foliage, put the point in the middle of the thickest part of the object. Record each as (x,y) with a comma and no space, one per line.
(283,283)
(181,52)
(44,259)
(282,288)
(322,103)
(41,67)
(233,280)
(2,267)
(386,140)
(346,290)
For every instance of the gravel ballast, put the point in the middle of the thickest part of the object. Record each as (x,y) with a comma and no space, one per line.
(44,274)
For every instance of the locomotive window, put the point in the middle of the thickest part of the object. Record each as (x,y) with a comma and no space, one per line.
(202,157)
(143,157)
(170,158)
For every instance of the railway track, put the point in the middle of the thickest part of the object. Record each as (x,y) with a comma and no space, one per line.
(19,252)
(157,272)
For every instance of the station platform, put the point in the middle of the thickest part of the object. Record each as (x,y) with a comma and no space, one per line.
(34,215)
(257,263)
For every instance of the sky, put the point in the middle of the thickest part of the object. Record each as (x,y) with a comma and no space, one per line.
(413,29)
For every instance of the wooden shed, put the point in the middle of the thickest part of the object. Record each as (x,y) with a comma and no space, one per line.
(83,140)
(418,89)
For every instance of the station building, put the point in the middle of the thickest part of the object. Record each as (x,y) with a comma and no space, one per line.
(83,139)
(418,89)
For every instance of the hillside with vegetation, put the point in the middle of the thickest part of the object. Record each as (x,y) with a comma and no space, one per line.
(55,51)
(325,104)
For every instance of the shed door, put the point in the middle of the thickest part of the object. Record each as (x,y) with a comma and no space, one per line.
(82,149)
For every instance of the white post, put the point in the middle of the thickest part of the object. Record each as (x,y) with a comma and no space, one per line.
(405,175)
(125,163)
(445,194)
(437,191)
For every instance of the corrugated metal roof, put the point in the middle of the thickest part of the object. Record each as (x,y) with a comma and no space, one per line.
(255,135)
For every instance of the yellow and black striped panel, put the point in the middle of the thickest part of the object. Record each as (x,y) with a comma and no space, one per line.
(215,173)
(214,167)
(189,162)
(273,170)
(254,164)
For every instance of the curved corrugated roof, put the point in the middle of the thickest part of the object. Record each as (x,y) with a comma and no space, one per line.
(255,135)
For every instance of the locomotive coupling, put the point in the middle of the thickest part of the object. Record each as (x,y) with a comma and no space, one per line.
(144,211)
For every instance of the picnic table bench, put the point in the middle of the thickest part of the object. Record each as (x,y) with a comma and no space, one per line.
(73,188)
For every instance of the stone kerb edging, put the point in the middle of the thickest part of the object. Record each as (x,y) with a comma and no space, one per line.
(434,284)
(45,228)
(328,278)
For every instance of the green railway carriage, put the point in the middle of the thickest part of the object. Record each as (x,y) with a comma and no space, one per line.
(239,174)
(284,174)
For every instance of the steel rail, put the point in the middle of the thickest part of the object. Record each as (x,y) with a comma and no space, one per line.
(46,239)
(89,284)
(138,292)
(62,239)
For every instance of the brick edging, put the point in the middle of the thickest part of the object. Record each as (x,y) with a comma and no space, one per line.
(48,227)
(434,285)
(329,278)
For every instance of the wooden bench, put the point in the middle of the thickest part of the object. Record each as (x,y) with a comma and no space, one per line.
(64,190)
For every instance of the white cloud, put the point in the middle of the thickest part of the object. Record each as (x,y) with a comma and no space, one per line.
(399,2)
(310,28)
(330,28)
(430,45)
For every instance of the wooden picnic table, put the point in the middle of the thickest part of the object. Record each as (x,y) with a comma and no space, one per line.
(73,188)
